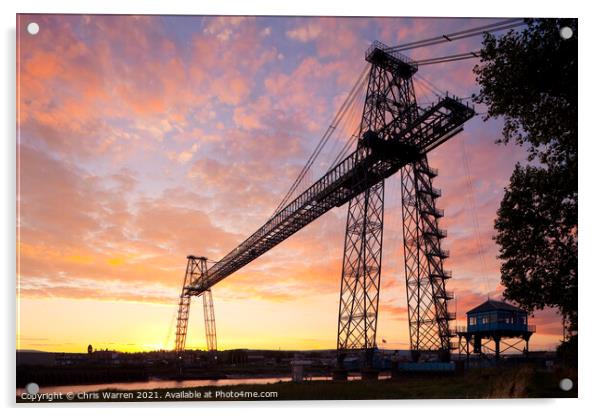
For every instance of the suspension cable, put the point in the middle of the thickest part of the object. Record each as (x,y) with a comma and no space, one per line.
(449,58)
(329,131)
(353,137)
(474,216)
(475,31)
(349,119)
(429,86)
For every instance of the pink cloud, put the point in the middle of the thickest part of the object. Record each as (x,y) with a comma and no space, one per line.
(305,33)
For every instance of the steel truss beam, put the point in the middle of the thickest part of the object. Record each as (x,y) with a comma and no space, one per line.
(196,269)
(365,167)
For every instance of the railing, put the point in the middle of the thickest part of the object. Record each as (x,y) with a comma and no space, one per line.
(439,253)
(447,295)
(437,232)
(435,212)
(446,275)
(432,172)
(500,326)
(397,55)
(434,192)
(460,328)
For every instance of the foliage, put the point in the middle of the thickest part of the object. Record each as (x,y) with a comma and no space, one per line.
(529,79)
(567,352)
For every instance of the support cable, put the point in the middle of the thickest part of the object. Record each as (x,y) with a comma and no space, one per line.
(474,216)
(329,131)
(449,58)
(353,137)
(350,119)
(475,31)
(428,87)
(171,326)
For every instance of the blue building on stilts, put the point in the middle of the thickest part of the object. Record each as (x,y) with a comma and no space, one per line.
(495,327)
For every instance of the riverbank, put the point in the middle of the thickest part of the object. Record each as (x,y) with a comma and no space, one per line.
(92,376)
(520,382)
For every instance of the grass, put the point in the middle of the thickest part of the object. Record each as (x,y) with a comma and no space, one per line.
(520,382)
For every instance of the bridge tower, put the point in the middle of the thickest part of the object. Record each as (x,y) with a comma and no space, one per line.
(390,106)
(196,270)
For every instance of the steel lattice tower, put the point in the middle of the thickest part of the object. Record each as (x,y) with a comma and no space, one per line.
(390,106)
(425,277)
(196,270)
(395,135)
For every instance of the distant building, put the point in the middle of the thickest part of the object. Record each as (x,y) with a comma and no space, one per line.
(90,349)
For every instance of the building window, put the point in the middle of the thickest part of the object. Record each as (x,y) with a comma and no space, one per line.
(485,319)
(472,320)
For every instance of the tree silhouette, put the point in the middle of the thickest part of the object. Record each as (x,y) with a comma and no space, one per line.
(529,79)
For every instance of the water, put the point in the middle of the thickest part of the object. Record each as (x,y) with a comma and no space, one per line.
(171,384)
(159,384)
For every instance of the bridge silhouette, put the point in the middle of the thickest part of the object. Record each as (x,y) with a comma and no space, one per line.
(395,135)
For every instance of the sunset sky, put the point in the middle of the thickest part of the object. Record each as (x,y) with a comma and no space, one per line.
(142,139)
